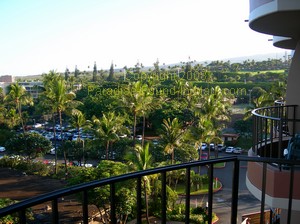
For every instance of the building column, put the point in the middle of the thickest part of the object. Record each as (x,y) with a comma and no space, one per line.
(293,85)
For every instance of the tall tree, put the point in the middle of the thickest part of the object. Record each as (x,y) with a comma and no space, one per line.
(18,95)
(199,133)
(30,145)
(95,72)
(171,136)
(106,129)
(142,160)
(76,72)
(214,106)
(133,99)
(78,121)
(67,74)
(156,67)
(61,100)
(111,76)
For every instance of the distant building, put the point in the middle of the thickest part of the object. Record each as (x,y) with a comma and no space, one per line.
(34,88)
(7,78)
(230,137)
(5,81)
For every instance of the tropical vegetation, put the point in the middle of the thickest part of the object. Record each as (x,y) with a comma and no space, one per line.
(133,119)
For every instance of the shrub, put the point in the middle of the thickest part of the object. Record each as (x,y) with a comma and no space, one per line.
(12,218)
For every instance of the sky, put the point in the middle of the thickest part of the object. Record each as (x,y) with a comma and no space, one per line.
(37,36)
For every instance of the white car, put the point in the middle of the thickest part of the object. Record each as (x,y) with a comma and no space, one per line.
(52,151)
(237,150)
(220,147)
(2,149)
(204,146)
(155,142)
(229,149)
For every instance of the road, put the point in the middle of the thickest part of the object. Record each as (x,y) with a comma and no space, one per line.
(247,203)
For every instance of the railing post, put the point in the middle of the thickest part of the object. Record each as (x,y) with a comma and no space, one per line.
(22,216)
(271,137)
(263,193)
(188,195)
(261,133)
(210,191)
(280,139)
(85,210)
(266,137)
(139,200)
(235,191)
(163,197)
(55,211)
(254,134)
(294,120)
(291,193)
(113,203)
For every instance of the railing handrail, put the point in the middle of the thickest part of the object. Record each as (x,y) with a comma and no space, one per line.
(255,112)
(27,203)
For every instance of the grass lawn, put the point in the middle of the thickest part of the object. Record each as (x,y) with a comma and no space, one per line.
(218,165)
(204,189)
(261,72)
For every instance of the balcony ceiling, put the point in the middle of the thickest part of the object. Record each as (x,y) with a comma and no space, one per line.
(279,23)
(284,42)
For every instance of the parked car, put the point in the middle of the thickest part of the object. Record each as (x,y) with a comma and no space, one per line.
(212,146)
(76,163)
(37,125)
(229,149)
(155,142)
(139,137)
(52,151)
(204,146)
(220,147)
(237,150)
(204,156)
(2,149)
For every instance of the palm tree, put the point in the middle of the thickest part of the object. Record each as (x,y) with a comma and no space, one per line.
(77,120)
(19,96)
(133,99)
(142,160)
(263,100)
(106,128)
(10,117)
(199,133)
(214,106)
(148,104)
(172,133)
(59,99)
(212,109)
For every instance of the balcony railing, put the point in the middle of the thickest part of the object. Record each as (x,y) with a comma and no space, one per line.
(272,128)
(83,189)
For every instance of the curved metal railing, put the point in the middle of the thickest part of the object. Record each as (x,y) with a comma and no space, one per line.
(272,127)
(21,207)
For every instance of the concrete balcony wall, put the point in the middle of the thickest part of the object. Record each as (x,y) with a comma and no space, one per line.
(277,186)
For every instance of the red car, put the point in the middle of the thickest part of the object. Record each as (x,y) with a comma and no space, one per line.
(204,156)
